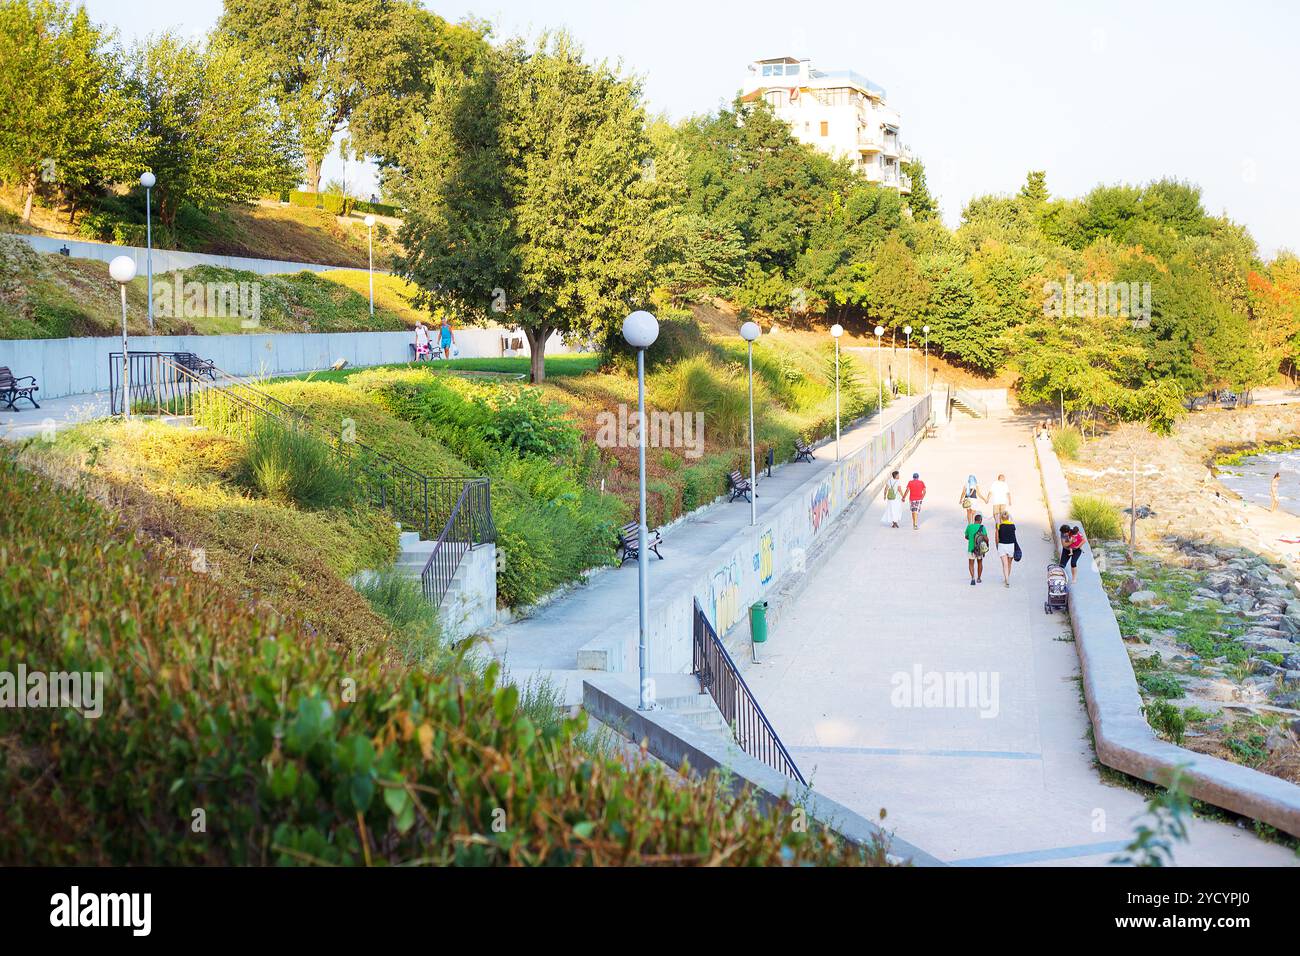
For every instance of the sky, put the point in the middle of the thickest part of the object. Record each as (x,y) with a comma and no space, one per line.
(1095,92)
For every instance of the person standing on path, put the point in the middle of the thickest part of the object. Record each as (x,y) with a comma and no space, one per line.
(1272,489)
(1007,546)
(893,495)
(914,495)
(446,338)
(970,494)
(1071,548)
(977,545)
(999,497)
(421,342)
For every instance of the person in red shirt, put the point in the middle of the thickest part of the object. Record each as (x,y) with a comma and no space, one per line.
(915,494)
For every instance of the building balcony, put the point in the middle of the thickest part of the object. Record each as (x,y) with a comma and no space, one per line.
(869,144)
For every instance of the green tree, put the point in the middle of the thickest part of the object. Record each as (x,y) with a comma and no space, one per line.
(66,124)
(898,292)
(535,201)
(704,257)
(214,135)
(923,204)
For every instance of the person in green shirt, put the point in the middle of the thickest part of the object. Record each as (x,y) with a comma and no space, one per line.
(977,545)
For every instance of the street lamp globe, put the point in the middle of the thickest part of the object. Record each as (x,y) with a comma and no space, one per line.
(907,330)
(750,331)
(147,179)
(880,330)
(640,329)
(122,269)
(837,330)
(370,221)
(925,329)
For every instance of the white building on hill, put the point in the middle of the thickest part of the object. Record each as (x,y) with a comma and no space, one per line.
(840,112)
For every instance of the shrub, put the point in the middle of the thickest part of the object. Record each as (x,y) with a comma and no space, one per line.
(1167,719)
(697,385)
(287,465)
(398,598)
(1066,442)
(1100,519)
(1160,684)
(300,754)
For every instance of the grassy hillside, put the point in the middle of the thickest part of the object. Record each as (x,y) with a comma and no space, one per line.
(298,749)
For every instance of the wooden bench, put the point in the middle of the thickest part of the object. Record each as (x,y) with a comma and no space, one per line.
(739,486)
(12,389)
(202,368)
(629,542)
(802,451)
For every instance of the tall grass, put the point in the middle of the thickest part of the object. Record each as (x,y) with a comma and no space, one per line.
(397,597)
(722,394)
(1066,442)
(1100,518)
(289,466)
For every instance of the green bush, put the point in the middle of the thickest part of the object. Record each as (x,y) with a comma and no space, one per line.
(1167,719)
(1066,442)
(296,752)
(399,599)
(1100,519)
(1160,684)
(287,465)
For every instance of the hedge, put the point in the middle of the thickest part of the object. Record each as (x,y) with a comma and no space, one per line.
(337,204)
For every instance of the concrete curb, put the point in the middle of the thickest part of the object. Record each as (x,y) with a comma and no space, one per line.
(672,740)
(1123,738)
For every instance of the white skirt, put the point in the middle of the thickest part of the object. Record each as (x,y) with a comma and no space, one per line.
(1006,550)
(893,512)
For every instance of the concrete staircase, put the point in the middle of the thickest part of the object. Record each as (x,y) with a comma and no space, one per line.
(680,694)
(970,404)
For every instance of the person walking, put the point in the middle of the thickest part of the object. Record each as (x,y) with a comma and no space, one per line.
(970,494)
(1071,547)
(421,342)
(1008,546)
(1272,489)
(977,545)
(893,495)
(999,497)
(446,338)
(914,494)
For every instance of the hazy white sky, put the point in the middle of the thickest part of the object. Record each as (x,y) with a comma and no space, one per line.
(1095,92)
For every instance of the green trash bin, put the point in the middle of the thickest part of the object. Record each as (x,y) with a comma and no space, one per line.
(758,622)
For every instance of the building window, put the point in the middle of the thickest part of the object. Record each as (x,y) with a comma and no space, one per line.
(826,128)
(776,98)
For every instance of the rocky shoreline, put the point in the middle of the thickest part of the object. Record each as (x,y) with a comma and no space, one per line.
(1210,608)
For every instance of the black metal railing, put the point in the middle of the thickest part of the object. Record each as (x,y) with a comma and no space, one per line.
(718,675)
(457,508)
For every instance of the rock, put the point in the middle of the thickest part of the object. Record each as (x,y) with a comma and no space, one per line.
(1143,598)
(1130,586)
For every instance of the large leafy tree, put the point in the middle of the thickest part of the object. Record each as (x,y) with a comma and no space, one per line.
(214,135)
(66,124)
(365,65)
(532,196)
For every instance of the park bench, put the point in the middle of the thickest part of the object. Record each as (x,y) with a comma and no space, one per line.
(739,486)
(629,542)
(12,389)
(1197,403)
(201,368)
(802,450)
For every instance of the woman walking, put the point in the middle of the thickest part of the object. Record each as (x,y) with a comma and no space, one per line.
(1007,546)
(969,497)
(893,501)
(1071,548)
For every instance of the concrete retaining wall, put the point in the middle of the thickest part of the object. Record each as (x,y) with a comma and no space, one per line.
(1123,738)
(165,260)
(77,366)
(470,606)
(758,560)
(671,739)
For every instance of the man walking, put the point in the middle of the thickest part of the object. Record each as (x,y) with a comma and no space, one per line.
(977,545)
(914,494)
(999,497)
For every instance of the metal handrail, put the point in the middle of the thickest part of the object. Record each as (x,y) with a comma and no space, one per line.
(964,397)
(458,535)
(718,675)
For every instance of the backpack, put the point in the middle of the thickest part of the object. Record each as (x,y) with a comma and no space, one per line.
(981,542)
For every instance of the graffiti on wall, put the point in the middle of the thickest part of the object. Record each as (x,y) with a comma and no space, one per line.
(765,558)
(724,597)
(819,508)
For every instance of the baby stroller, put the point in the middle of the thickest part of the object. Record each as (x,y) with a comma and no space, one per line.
(1058,590)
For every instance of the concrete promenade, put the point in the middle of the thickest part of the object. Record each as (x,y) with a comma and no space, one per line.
(1016,787)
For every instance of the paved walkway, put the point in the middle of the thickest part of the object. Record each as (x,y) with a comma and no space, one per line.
(1018,787)
(549,640)
(53,415)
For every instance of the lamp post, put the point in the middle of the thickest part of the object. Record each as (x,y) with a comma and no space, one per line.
(749,332)
(926,330)
(907,330)
(147,180)
(836,331)
(640,329)
(880,381)
(370,245)
(122,270)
